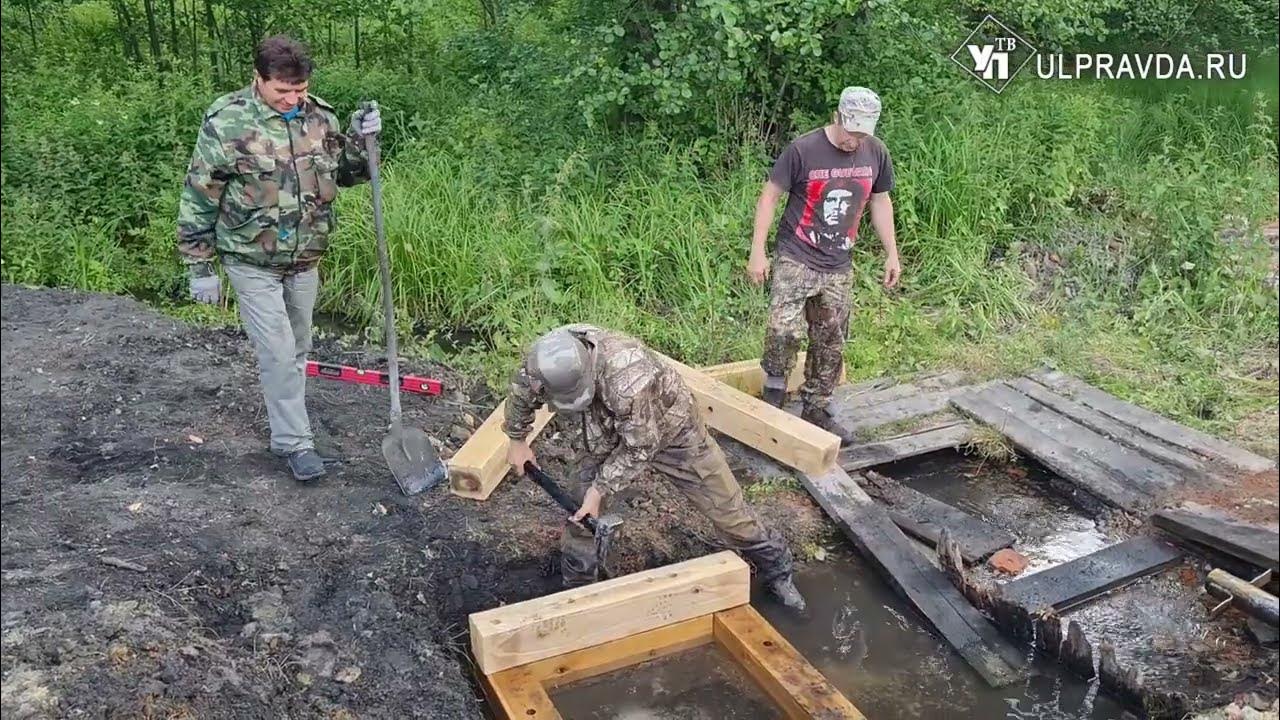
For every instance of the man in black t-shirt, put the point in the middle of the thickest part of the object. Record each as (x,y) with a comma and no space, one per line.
(830,175)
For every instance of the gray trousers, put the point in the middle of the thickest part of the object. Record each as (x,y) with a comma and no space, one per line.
(276,311)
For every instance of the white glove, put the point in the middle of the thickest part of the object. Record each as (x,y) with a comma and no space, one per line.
(367,121)
(205,288)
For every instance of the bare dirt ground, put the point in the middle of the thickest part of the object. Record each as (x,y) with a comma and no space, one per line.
(158,561)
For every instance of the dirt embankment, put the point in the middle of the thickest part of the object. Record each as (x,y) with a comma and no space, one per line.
(157,560)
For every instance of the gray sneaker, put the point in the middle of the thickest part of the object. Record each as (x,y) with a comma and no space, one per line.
(788,594)
(306,465)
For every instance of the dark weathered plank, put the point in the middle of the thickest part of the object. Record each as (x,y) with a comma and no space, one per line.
(1054,451)
(925,518)
(904,408)
(942,437)
(1110,427)
(1067,585)
(1250,543)
(871,530)
(1151,423)
(886,390)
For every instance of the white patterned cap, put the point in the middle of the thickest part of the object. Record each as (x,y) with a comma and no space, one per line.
(859,110)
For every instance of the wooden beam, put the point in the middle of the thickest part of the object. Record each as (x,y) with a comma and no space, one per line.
(481,463)
(630,650)
(1078,581)
(909,572)
(586,616)
(1255,545)
(795,685)
(1152,423)
(516,695)
(748,377)
(753,422)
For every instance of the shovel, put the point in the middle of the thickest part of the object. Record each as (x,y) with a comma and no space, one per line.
(408,451)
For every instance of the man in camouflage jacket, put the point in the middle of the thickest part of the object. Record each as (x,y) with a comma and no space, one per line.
(259,196)
(635,413)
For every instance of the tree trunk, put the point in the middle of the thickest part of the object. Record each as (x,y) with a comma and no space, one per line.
(173,29)
(357,41)
(132,52)
(195,45)
(153,33)
(31,26)
(211,24)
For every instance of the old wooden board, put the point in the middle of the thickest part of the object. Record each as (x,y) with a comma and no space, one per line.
(581,617)
(924,517)
(909,572)
(1077,581)
(757,424)
(884,390)
(795,685)
(926,440)
(1100,422)
(1151,423)
(1255,545)
(481,463)
(1048,441)
(861,418)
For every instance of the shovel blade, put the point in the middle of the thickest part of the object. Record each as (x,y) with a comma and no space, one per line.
(413,460)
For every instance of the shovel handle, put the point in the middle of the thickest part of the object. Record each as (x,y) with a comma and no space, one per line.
(384,271)
(558,494)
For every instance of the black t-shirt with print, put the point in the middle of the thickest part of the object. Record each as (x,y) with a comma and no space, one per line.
(827,189)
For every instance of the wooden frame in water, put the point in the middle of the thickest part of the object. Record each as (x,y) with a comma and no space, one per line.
(526,649)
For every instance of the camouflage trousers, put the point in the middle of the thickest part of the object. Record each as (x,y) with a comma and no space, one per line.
(801,295)
(696,466)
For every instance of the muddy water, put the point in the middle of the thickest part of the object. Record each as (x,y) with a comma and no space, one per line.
(869,642)
(872,646)
(698,684)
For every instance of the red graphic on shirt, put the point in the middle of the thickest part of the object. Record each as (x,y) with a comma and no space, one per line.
(834,200)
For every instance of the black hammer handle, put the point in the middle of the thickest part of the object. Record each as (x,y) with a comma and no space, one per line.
(557,493)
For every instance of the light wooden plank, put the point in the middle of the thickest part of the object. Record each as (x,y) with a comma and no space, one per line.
(586,616)
(479,466)
(517,695)
(1055,450)
(912,574)
(1152,423)
(950,435)
(1255,545)
(748,376)
(795,685)
(753,422)
(481,463)
(623,652)
(1112,428)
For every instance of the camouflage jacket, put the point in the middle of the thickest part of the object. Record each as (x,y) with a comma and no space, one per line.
(260,188)
(640,407)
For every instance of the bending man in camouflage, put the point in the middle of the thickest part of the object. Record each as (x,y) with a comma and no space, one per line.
(259,195)
(830,175)
(636,413)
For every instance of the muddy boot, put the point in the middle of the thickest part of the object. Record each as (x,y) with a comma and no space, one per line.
(822,418)
(776,397)
(306,465)
(788,594)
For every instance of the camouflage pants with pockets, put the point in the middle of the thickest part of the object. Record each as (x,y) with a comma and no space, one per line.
(800,295)
(696,466)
